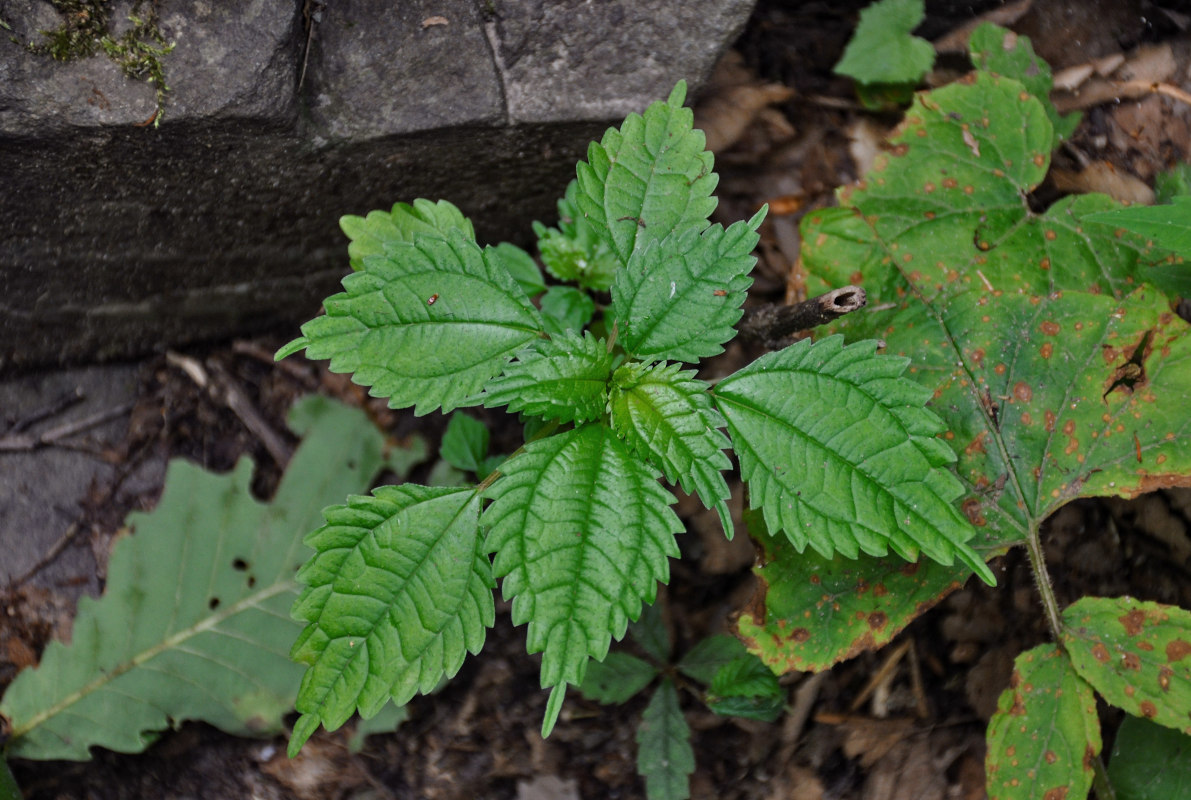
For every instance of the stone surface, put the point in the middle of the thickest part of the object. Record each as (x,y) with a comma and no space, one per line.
(577,59)
(378,69)
(118,238)
(41,490)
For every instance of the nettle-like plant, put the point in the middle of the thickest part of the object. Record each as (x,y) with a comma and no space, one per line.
(835,444)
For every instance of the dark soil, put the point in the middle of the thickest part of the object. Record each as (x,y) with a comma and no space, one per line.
(920,735)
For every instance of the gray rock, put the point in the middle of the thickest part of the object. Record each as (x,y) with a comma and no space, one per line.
(381,68)
(118,238)
(580,60)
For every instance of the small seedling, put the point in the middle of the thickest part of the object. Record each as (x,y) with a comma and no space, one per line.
(838,449)
(739,685)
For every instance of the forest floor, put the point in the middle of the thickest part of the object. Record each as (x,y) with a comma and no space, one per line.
(904,722)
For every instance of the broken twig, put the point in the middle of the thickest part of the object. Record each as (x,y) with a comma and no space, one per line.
(772,322)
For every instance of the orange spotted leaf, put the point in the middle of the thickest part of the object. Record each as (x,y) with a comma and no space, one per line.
(1045,735)
(1137,654)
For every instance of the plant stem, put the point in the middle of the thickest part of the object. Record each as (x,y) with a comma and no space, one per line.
(1100,782)
(1042,579)
(8,784)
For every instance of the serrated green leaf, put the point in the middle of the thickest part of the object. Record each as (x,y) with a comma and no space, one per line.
(194,622)
(398,592)
(665,757)
(464,442)
(648,179)
(812,612)
(1045,736)
(651,633)
(522,267)
(840,453)
(575,251)
(582,532)
(1150,762)
(564,378)
(706,658)
(745,687)
(1168,225)
(1136,654)
(565,308)
(678,299)
(425,325)
(371,235)
(666,417)
(999,50)
(617,678)
(882,50)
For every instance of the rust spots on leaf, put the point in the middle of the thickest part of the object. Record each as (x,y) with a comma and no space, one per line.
(1050,328)
(1089,758)
(1134,622)
(1100,653)
(950,183)
(977,444)
(1164,675)
(1023,392)
(800,635)
(1178,650)
(1039,161)
(972,510)
(1049,421)
(1050,235)
(1044,264)
(1131,661)
(1148,709)
(877,620)
(1051,756)
(1057,793)
(1150,482)
(1046,350)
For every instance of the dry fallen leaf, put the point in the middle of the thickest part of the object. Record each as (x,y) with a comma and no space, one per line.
(1102,176)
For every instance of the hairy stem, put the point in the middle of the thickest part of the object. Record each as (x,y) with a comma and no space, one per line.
(1042,579)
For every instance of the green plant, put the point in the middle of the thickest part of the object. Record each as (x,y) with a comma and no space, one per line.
(883,57)
(1048,344)
(739,685)
(836,446)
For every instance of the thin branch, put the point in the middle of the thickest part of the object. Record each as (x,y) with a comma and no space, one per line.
(773,323)
(18,442)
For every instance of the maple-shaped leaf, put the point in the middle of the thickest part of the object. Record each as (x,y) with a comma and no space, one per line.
(194,622)
(582,531)
(1059,373)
